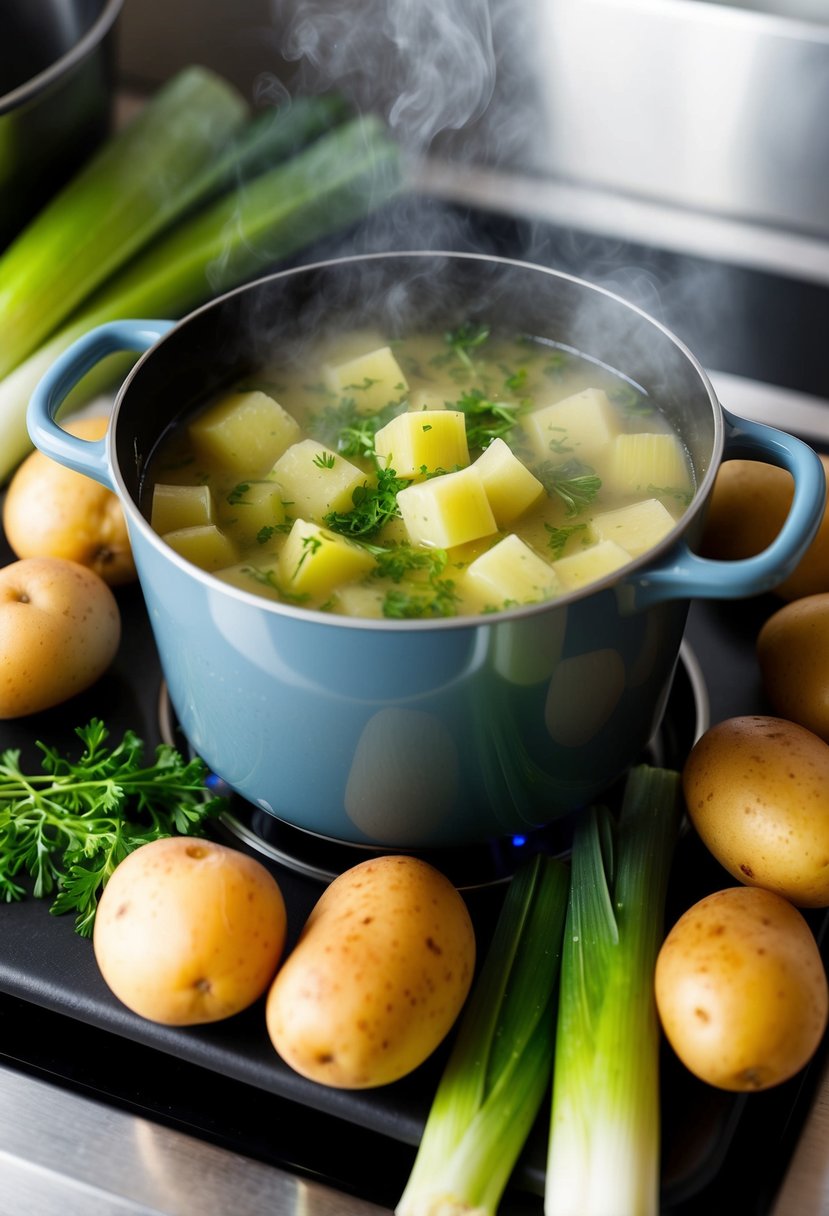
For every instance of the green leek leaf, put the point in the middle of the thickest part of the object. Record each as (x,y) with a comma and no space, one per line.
(498,1071)
(139,181)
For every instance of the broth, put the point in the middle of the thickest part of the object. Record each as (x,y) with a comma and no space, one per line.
(441,474)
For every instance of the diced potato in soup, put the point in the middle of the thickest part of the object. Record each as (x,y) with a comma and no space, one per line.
(372,380)
(417,443)
(205,545)
(510,486)
(510,570)
(636,528)
(316,480)
(583,425)
(245,431)
(314,561)
(447,511)
(591,564)
(437,474)
(181,507)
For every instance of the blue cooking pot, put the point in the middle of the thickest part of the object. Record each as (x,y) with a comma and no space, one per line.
(414,734)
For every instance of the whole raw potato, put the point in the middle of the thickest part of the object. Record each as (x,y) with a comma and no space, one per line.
(189,931)
(757,791)
(59,631)
(748,505)
(377,978)
(793,653)
(51,511)
(741,989)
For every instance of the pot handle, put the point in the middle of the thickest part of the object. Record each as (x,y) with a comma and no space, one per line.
(684,575)
(83,455)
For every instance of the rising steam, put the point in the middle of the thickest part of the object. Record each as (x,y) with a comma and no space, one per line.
(427,67)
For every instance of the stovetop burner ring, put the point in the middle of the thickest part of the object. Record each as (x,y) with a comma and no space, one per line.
(322,858)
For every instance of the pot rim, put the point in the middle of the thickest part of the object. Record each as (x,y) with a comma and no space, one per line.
(519,612)
(84,47)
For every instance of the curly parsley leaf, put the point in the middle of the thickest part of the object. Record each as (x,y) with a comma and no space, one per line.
(71,824)
(374,506)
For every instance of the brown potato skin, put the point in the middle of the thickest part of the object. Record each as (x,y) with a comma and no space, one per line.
(748,505)
(793,653)
(51,511)
(189,931)
(757,792)
(377,978)
(59,631)
(741,989)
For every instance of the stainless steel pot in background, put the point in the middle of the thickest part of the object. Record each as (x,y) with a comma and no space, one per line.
(712,107)
(56,88)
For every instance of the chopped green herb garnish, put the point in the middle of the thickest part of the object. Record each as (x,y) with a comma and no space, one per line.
(558,443)
(573,482)
(466,338)
(632,402)
(397,561)
(69,826)
(435,598)
(558,537)
(556,364)
(325,460)
(516,382)
(310,545)
(485,419)
(373,507)
(268,579)
(347,430)
(265,533)
(237,494)
(361,388)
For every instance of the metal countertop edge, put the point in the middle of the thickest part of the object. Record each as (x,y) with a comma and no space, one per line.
(736,241)
(64,1153)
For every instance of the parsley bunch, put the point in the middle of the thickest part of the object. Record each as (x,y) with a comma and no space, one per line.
(69,826)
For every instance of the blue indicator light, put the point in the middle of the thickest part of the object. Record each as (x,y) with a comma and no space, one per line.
(518,841)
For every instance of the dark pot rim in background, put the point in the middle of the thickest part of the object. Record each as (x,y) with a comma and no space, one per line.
(85,46)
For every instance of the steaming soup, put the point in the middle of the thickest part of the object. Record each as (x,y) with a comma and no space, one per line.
(437,475)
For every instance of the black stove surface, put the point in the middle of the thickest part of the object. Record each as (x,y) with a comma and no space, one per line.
(224,1082)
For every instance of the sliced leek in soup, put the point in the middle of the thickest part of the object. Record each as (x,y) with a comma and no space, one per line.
(439,475)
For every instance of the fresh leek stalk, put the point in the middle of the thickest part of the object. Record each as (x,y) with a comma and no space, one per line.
(271,136)
(140,180)
(604,1134)
(499,1068)
(336,180)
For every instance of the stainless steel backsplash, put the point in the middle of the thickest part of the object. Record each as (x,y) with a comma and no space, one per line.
(711,106)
